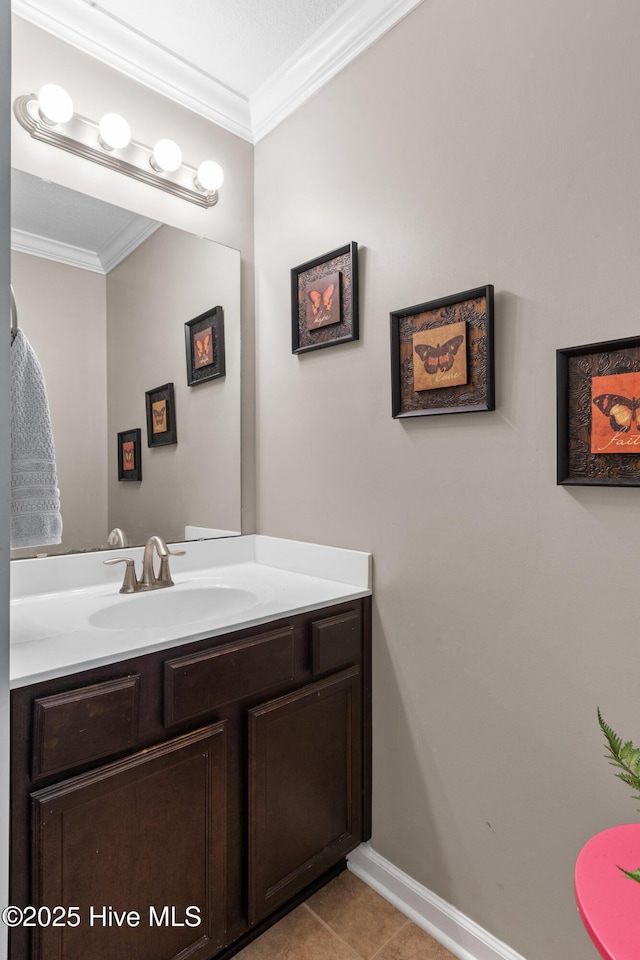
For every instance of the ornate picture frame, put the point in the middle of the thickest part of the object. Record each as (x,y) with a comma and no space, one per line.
(161,416)
(598,414)
(442,355)
(324,300)
(204,344)
(130,454)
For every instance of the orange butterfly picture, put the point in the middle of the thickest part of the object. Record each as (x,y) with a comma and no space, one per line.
(129,461)
(159,410)
(615,413)
(204,343)
(323,301)
(440,357)
(203,348)
(128,458)
(161,416)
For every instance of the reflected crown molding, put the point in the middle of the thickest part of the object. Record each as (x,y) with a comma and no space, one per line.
(346,35)
(119,246)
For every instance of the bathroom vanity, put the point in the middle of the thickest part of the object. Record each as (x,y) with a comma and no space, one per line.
(176,802)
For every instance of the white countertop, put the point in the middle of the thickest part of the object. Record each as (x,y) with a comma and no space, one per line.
(56,601)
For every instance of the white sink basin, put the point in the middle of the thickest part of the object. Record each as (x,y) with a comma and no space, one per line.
(172,606)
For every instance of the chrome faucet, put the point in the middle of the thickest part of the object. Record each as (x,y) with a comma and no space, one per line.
(117,538)
(149,580)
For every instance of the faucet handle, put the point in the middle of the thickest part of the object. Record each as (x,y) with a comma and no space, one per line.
(164,575)
(130,582)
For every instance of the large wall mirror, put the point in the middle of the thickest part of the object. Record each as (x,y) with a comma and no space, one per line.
(103,296)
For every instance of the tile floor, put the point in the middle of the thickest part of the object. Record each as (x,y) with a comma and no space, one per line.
(346,920)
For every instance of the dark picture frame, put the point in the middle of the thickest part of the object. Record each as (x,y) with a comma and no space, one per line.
(324,300)
(471,315)
(204,343)
(598,408)
(161,416)
(130,454)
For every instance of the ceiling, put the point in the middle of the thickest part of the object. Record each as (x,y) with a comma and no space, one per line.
(245,64)
(239,42)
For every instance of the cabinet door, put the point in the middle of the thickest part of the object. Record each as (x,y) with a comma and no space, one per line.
(144,834)
(305,799)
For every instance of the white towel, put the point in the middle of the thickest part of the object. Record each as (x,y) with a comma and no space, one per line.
(35,503)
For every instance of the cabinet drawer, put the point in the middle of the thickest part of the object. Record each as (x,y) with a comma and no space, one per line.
(81,725)
(200,682)
(336,641)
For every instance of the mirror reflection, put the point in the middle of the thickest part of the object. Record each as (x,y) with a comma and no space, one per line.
(103,296)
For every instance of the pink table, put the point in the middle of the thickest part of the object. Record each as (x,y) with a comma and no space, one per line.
(608,902)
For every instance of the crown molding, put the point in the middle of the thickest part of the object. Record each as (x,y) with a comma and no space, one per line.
(37,246)
(110,254)
(134,232)
(113,43)
(340,40)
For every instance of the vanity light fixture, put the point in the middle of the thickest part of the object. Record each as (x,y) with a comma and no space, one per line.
(114,132)
(166,156)
(54,104)
(50,117)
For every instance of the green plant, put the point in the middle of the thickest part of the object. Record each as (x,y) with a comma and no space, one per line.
(626,757)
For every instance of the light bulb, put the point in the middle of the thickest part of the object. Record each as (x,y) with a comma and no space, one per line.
(167,156)
(55,104)
(115,132)
(209,177)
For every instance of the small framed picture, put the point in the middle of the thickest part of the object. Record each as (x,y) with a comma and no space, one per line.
(130,454)
(161,416)
(598,398)
(442,355)
(204,341)
(324,300)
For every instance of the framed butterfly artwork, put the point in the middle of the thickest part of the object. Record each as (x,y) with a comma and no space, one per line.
(204,341)
(130,454)
(442,358)
(324,300)
(598,413)
(161,416)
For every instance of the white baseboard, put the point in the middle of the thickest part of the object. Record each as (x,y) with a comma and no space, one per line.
(455,931)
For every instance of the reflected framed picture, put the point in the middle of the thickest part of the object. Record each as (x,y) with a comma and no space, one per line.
(598,414)
(442,355)
(130,454)
(324,300)
(204,342)
(161,416)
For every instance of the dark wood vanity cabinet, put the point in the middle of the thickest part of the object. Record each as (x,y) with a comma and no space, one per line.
(142,843)
(305,783)
(182,801)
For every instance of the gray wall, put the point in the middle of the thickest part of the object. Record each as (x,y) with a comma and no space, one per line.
(475,143)
(63,312)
